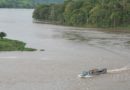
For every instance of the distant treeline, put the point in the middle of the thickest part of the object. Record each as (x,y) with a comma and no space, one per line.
(96,13)
(16,4)
(25,3)
(47,1)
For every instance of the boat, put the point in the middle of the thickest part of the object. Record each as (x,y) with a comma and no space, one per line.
(92,72)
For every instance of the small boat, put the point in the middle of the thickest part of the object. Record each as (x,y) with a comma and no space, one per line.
(92,72)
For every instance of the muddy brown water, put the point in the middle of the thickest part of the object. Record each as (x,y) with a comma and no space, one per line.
(68,51)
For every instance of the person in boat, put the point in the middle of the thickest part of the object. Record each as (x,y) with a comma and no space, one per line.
(93,72)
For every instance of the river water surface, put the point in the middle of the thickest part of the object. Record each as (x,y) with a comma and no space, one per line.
(68,51)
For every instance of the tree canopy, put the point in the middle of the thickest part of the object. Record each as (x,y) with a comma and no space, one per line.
(2,35)
(98,13)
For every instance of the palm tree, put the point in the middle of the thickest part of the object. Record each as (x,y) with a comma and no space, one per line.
(2,35)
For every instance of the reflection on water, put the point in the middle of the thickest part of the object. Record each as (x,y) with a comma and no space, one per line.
(96,38)
(74,36)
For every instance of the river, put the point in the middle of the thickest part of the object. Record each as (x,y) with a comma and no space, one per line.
(68,51)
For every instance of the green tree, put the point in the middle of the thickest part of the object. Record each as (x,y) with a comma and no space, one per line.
(77,17)
(56,12)
(2,35)
(42,12)
(99,13)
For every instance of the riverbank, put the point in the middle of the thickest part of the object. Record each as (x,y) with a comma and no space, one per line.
(13,45)
(91,27)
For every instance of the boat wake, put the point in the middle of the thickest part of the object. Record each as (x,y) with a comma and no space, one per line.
(87,76)
(119,69)
(92,73)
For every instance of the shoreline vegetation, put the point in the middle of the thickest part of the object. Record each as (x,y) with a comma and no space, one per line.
(16,4)
(104,29)
(103,14)
(13,45)
(25,3)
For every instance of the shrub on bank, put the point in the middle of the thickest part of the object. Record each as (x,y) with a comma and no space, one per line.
(13,45)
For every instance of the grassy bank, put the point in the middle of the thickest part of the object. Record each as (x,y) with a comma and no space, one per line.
(13,45)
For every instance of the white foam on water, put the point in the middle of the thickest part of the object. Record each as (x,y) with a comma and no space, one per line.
(87,76)
(119,69)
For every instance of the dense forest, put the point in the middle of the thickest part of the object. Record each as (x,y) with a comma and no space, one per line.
(25,3)
(92,13)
